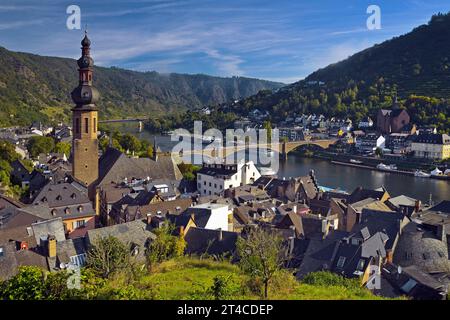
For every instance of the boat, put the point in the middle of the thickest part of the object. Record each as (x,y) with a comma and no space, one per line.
(437,173)
(267,171)
(387,167)
(421,174)
(356,161)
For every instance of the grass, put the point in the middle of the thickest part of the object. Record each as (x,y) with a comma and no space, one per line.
(190,279)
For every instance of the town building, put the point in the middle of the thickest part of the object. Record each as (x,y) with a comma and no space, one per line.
(431,146)
(370,142)
(214,179)
(392,121)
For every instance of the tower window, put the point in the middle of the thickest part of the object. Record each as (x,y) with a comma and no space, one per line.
(95,124)
(77,125)
(86,123)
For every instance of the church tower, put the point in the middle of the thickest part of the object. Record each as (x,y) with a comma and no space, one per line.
(85,120)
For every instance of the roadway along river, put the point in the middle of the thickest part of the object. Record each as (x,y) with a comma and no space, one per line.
(346,178)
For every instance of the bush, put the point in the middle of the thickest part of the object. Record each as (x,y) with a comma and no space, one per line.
(327,279)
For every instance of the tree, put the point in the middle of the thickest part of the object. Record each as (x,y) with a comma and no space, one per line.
(260,253)
(268,126)
(37,145)
(28,284)
(166,245)
(130,142)
(379,152)
(8,151)
(107,256)
(63,147)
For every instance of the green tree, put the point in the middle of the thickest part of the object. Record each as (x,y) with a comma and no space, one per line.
(107,256)
(28,284)
(268,126)
(63,148)
(37,145)
(8,151)
(165,246)
(130,143)
(260,253)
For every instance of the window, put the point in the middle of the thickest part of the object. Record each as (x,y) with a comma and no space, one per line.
(77,125)
(79,224)
(215,186)
(1,252)
(95,125)
(204,183)
(360,266)
(86,125)
(341,262)
(78,260)
(210,184)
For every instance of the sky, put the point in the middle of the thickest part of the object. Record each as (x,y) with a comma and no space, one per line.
(279,40)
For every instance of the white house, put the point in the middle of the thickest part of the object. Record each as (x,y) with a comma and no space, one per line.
(213,216)
(370,142)
(366,123)
(214,179)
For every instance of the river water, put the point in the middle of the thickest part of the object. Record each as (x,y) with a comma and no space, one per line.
(340,177)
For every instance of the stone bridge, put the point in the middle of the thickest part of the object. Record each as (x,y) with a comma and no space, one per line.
(283,148)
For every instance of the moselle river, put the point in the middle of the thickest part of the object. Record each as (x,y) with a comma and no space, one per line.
(342,177)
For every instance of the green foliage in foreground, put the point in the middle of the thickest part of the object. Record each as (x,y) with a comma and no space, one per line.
(180,278)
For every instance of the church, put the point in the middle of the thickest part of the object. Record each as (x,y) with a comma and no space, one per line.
(113,169)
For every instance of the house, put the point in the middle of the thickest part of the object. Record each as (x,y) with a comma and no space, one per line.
(392,121)
(68,201)
(137,235)
(370,142)
(431,146)
(399,143)
(214,179)
(201,241)
(412,282)
(20,174)
(365,123)
(212,216)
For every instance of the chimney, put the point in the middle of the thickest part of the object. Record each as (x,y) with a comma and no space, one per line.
(51,246)
(417,206)
(24,245)
(220,237)
(441,234)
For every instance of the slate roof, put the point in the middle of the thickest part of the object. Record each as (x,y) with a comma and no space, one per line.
(9,202)
(54,227)
(361,194)
(379,221)
(421,248)
(200,241)
(130,233)
(115,166)
(66,200)
(443,206)
(432,138)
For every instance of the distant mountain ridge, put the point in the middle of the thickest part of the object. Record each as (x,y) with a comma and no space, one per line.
(414,67)
(34,87)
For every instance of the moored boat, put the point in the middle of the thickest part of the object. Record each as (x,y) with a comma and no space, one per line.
(421,174)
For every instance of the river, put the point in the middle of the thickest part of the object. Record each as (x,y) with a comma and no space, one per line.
(340,177)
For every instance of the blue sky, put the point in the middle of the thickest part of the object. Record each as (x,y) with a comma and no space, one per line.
(281,40)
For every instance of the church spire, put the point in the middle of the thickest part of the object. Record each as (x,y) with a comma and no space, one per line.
(85,95)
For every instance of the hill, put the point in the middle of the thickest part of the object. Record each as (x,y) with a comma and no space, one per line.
(34,88)
(182,278)
(414,67)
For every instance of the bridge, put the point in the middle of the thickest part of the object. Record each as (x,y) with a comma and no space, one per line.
(283,148)
(140,121)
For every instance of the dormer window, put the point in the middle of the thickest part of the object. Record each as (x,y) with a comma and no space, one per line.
(67,210)
(53,212)
(44,199)
(73,196)
(59,198)
(80,209)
